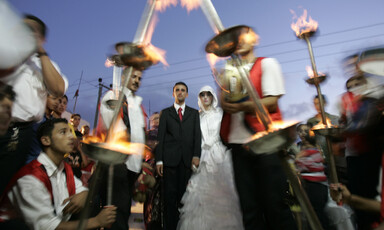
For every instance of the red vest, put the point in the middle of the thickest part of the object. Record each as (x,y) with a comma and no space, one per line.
(37,170)
(251,121)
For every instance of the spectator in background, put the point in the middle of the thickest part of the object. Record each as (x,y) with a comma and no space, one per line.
(85,130)
(31,81)
(309,161)
(53,103)
(75,122)
(7,97)
(58,112)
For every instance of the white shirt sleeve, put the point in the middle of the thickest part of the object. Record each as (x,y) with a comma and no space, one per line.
(272,80)
(34,201)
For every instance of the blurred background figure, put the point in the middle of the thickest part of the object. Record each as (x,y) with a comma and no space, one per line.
(32,80)
(7,97)
(310,163)
(362,119)
(58,112)
(16,41)
(85,130)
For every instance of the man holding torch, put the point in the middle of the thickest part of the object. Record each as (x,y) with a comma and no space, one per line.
(132,121)
(260,180)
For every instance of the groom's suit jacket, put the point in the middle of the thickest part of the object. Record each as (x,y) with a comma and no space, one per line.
(178,140)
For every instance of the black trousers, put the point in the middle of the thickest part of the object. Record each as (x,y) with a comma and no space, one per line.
(363,178)
(175,184)
(123,183)
(14,147)
(262,187)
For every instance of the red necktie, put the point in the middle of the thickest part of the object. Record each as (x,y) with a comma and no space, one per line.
(180,114)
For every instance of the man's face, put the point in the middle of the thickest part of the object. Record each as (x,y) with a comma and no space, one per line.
(75,121)
(303,132)
(316,103)
(247,41)
(155,120)
(135,81)
(85,130)
(62,139)
(62,105)
(180,93)
(355,83)
(53,102)
(5,114)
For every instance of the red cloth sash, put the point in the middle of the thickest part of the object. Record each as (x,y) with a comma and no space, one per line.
(251,120)
(37,170)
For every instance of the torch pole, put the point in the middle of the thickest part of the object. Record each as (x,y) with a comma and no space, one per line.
(300,193)
(139,38)
(97,106)
(260,110)
(330,157)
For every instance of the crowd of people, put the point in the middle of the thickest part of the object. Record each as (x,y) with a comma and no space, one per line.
(199,174)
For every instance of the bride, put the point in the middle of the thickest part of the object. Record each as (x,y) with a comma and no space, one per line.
(210,201)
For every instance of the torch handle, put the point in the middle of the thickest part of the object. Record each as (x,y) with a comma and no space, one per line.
(300,193)
(110,185)
(211,14)
(330,157)
(144,22)
(260,110)
(119,105)
(316,75)
(331,161)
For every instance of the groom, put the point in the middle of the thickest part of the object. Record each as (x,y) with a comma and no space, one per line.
(178,151)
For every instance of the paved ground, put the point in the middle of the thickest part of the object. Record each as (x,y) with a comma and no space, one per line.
(136,220)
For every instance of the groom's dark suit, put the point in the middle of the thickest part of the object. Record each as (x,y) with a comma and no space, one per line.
(179,141)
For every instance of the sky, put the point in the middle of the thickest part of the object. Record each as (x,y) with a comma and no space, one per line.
(82,34)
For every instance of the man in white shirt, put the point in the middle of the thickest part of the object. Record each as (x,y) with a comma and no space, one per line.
(45,192)
(31,81)
(132,122)
(260,180)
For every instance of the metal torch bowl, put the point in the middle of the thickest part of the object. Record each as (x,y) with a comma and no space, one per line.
(316,80)
(273,141)
(225,43)
(100,152)
(334,132)
(132,55)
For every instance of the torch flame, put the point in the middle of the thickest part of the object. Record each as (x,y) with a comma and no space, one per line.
(163,4)
(109,63)
(310,72)
(119,143)
(320,125)
(303,26)
(273,127)
(155,54)
(190,4)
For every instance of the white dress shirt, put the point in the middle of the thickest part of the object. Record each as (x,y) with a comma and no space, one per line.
(137,123)
(34,200)
(177,106)
(272,84)
(31,92)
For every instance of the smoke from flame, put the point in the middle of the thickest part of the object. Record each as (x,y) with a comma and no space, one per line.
(302,25)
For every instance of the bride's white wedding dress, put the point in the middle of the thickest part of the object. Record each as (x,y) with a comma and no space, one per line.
(211,201)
